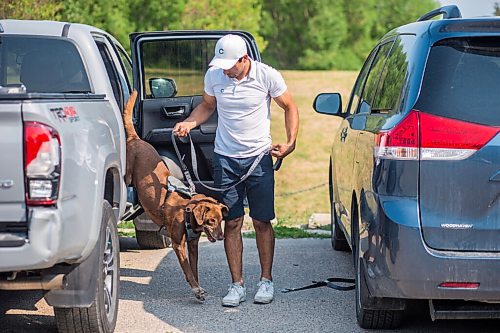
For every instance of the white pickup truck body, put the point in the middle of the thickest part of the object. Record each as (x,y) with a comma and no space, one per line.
(62,191)
(63,159)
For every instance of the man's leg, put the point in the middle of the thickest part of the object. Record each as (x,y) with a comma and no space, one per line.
(234,251)
(264,235)
(234,248)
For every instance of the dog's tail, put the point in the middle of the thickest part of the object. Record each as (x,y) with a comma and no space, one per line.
(127,117)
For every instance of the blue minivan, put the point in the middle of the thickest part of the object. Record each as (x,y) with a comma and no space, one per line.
(415,171)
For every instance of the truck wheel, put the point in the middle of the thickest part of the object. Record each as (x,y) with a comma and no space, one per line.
(151,239)
(101,315)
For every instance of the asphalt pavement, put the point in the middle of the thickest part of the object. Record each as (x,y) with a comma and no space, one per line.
(156,298)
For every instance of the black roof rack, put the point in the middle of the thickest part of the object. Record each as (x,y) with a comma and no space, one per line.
(1,28)
(449,12)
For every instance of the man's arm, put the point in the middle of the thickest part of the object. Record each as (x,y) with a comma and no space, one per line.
(198,116)
(286,102)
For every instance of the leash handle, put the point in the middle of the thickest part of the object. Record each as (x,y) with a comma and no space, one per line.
(351,284)
(277,164)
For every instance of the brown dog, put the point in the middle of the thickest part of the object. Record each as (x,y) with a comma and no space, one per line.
(148,174)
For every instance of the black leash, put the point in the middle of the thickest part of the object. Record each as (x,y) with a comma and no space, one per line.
(351,284)
(194,165)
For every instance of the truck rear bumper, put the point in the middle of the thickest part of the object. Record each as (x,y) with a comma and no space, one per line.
(41,248)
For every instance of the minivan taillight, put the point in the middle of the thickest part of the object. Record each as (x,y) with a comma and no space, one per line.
(42,163)
(400,142)
(451,139)
(428,137)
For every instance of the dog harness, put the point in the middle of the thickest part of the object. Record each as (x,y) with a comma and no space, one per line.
(176,185)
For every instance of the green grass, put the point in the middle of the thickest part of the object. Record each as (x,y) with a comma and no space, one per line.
(301,183)
(126,229)
(327,227)
(126,232)
(126,225)
(282,231)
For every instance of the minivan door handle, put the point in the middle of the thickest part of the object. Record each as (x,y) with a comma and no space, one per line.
(495,177)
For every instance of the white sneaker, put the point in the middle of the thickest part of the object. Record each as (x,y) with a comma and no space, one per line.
(265,294)
(235,295)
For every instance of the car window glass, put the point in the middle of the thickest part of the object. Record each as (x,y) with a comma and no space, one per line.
(184,61)
(111,71)
(389,89)
(360,83)
(43,65)
(126,64)
(375,73)
(461,80)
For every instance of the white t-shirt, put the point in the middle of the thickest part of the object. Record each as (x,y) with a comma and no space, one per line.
(244,113)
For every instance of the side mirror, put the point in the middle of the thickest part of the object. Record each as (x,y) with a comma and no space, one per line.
(162,88)
(328,103)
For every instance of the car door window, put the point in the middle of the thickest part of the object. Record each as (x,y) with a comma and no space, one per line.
(111,71)
(360,83)
(374,76)
(390,93)
(126,69)
(185,61)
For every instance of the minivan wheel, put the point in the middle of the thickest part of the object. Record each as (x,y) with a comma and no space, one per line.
(102,313)
(372,318)
(339,241)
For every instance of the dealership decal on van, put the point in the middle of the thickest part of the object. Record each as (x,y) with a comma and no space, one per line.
(456,226)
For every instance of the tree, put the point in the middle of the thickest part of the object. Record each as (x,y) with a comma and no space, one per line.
(303,33)
(497,9)
(107,15)
(121,17)
(30,9)
(224,15)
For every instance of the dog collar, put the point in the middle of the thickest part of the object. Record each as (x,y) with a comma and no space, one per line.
(191,235)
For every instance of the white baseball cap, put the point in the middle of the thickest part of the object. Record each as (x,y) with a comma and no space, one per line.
(228,50)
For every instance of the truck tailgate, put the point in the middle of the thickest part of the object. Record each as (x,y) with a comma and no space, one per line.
(12,191)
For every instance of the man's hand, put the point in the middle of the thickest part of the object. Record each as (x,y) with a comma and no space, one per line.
(183,128)
(281,150)
(199,115)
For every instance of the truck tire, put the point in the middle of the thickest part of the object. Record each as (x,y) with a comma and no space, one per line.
(151,240)
(102,314)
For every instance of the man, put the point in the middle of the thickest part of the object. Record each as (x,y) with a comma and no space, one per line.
(241,89)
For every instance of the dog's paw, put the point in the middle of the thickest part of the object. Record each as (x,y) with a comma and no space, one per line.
(200,293)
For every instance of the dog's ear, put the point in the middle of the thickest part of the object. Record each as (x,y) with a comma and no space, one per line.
(199,211)
(224,210)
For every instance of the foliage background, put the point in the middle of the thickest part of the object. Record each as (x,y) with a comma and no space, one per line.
(291,34)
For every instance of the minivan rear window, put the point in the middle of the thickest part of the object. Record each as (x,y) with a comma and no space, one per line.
(42,64)
(462,80)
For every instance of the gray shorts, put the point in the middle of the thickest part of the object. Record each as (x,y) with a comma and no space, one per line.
(258,187)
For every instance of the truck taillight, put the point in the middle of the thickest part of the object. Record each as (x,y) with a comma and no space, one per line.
(428,137)
(42,163)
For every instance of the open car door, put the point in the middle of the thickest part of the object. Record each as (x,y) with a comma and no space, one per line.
(169,69)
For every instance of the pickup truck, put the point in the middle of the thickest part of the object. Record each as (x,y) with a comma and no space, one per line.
(62,192)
